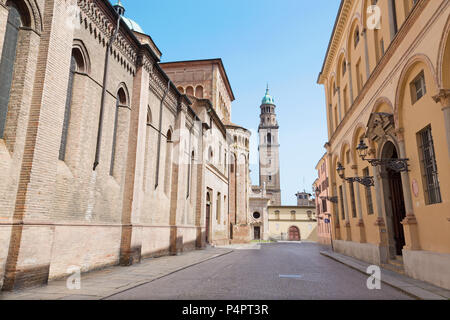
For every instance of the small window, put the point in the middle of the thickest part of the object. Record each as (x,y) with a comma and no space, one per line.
(356,37)
(218,207)
(344,67)
(341,194)
(256,215)
(190,91)
(418,87)
(352,198)
(429,167)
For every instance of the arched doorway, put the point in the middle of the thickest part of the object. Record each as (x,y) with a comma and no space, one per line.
(208,217)
(394,203)
(294,234)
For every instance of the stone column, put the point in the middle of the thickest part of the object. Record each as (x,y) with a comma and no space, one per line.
(131,239)
(366,53)
(348,236)
(350,82)
(178,185)
(380,223)
(32,235)
(360,225)
(444,98)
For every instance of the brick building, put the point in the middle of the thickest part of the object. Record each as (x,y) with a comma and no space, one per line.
(102,164)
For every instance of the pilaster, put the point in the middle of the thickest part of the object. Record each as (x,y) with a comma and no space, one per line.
(444,98)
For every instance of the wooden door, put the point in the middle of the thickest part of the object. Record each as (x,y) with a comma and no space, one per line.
(294,234)
(257,233)
(398,209)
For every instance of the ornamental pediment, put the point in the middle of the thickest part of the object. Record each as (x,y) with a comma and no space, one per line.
(380,124)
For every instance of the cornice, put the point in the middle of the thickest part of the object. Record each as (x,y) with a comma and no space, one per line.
(398,39)
(336,38)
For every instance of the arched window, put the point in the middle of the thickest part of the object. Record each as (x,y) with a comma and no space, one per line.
(356,36)
(75,61)
(269,138)
(344,67)
(149,116)
(168,162)
(8,59)
(210,154)
(190,91)
(147,148)
(189,177)
(181,89)
(121,101)
(218,207)
(199,92)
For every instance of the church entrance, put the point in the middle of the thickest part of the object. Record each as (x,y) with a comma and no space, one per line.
(257,233)
(395,203)
(294,234)
(208,216)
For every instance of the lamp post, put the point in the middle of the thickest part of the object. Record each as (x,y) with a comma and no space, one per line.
(328,222)
(398,165)
(365,181)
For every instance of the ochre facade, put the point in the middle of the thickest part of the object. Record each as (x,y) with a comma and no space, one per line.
(157,177)
(387,84)
(292,223)
(323,202)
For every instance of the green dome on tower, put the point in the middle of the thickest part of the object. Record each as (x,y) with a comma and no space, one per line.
(268,99)
(120,9)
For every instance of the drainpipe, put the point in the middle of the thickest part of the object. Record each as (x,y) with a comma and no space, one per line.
(102,105)
(159,135)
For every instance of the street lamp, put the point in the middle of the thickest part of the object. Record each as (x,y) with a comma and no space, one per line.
(398,165)
(331,199)
(341,170)
(365,181)
(317,191)
(362,149)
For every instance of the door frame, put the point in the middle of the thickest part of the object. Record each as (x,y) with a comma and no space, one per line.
(299,234)
(393,223)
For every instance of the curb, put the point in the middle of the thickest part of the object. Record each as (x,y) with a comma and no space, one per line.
(426,295)
(141,283)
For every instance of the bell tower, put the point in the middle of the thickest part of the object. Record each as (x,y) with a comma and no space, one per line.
(269,149)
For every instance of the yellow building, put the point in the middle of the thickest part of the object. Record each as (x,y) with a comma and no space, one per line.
(386,76)
(293,223)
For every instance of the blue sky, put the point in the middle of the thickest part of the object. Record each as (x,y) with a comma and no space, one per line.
(280,42)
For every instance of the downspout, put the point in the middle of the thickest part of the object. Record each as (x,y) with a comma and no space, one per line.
(102,105)
(159,135)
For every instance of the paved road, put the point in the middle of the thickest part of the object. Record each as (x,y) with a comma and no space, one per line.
(255,275)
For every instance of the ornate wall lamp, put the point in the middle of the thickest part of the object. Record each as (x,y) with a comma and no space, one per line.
(398,165)
(331,199)
(365,181)
(327,198)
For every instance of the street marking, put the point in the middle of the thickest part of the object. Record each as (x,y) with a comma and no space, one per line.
(290,276)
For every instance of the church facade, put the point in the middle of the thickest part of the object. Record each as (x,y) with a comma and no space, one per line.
(107,160)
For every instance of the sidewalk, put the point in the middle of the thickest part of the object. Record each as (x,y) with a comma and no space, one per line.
(415,288)
(101,284)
